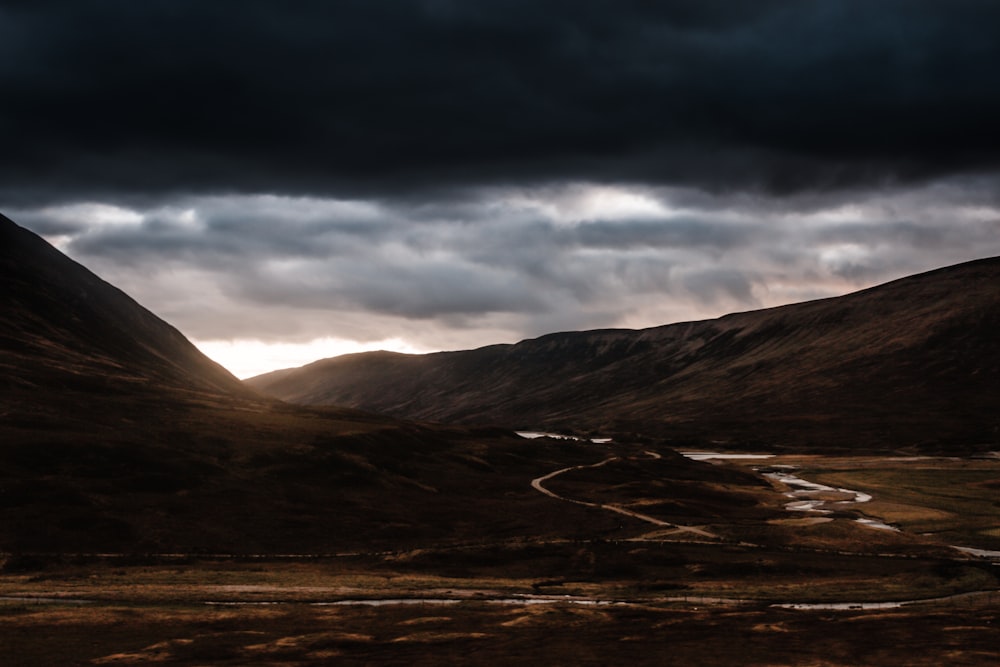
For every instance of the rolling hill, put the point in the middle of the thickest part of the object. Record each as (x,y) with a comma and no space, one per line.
(914,362)
(118,435)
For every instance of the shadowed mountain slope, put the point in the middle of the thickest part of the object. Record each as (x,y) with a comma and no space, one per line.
(118,435)
(63,327)
(912,362)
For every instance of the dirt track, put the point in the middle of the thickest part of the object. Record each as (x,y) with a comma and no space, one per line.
(537,484)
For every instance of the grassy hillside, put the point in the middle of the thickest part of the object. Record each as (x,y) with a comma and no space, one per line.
(915,362)
(117,434)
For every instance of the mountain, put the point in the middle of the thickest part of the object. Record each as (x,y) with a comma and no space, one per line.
(118,435)
(63,328)
(914,362)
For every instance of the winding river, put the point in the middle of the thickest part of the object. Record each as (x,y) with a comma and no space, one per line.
(818,498)
(806,496)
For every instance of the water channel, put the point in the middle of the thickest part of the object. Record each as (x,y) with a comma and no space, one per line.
(531,435)
(818,498)
(806,496)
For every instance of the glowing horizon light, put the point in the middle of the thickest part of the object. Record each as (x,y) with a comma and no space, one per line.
(246,358)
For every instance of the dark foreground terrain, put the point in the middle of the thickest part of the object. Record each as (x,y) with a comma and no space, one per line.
(757,585)
(476,633)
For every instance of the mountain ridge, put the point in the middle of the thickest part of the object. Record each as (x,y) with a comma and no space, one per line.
(824,369)
(87,331)
(118,436)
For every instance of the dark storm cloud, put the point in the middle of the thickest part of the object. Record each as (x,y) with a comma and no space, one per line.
(110,100)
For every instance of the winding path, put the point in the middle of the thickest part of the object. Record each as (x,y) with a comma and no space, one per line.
(538,485)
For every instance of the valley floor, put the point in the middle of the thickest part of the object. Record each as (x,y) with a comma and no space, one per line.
(642,593)
(479,633)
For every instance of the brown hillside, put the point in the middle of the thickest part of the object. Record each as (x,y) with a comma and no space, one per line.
(63,327)
(118,435)
(912,362)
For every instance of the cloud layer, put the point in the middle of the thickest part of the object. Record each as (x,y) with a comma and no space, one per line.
(355,98)
(444,174)
(508,263)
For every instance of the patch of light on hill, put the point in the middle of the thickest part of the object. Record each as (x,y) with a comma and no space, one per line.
(247,358)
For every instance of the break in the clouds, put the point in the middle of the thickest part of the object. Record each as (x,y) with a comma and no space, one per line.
(428,174)
(318,277)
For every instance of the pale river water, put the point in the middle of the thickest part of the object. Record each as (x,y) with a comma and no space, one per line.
(806,496)
(821,499)
(531,435)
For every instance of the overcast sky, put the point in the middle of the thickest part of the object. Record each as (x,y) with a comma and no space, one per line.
(285,181)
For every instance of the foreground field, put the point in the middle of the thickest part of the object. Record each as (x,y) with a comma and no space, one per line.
(604,587)
(481,633)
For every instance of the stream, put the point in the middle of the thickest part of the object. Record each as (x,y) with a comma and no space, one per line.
(531,435)
(527,600)
(819,498)
(806,496)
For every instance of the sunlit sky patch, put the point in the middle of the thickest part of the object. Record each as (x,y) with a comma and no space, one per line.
(246,358)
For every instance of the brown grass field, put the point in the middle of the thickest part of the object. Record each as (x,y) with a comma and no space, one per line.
(478,633)
(629,593)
